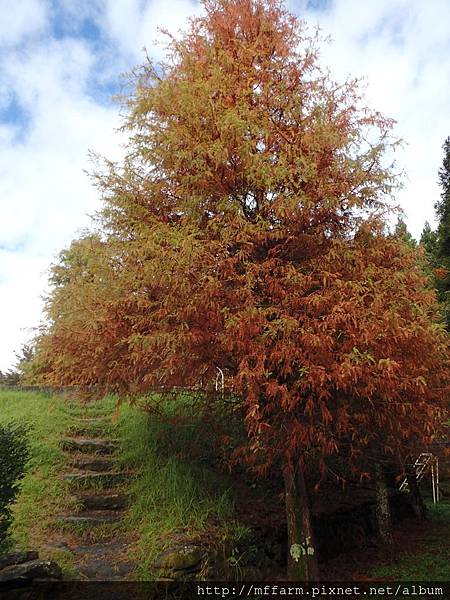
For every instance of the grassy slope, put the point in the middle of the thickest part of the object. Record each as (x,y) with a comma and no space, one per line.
(426,556)
(41,494)
(176,496)
(177,491)
(171,496)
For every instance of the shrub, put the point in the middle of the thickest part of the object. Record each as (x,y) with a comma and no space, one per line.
(14,454)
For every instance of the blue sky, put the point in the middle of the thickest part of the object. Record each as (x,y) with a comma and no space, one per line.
(61,60)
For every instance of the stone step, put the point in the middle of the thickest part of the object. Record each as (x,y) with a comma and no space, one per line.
(106,501)
(93,518)
(17,558)
(33,569)
(88,430)
(89,445)
(99,419)
(95,480)
(105,561)
(93,463)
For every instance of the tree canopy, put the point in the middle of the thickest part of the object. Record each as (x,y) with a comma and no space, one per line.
(245,231)
(437,243)
(401,232)
(443,233)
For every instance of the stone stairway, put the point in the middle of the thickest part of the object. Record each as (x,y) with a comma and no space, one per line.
(98,490)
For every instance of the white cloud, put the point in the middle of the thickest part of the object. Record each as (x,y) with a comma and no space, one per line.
(134,24)
(400,47)
(20,19)
(22,281)
(45,197)
(42,171)
(56,112)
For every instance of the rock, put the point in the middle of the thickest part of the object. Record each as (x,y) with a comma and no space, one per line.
(105,561)
(18,558)
(94,518)
(102,501)
(100,571)
(93,464)
(94,480)
(33,569)
(179,562)
(58,546)
(94,445)
(88,420)
(90,430)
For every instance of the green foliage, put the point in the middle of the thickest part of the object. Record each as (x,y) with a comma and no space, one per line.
(437,243)
(443,233)
(41,494)
(442,206)
(13,458)
(431,562)
(9,379)
(429,242)
(401,232)
(176,491)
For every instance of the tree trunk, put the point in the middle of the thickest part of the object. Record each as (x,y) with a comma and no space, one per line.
(415,497)
(302,551)
(383,511)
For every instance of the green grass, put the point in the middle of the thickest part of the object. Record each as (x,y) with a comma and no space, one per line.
(177,492)
(41,494)
(429,561)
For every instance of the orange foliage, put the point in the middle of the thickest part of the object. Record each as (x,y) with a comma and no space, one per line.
(244,231)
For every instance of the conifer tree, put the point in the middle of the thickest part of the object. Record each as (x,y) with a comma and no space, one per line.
(428,240)
(437,243)
(402,233)
(443,234)
(244,231)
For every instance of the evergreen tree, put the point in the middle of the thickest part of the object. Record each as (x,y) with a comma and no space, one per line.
(436,244)
(442,207)
(401,232)
(428,241)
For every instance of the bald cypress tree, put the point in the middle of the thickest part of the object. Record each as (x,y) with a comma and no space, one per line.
(242,232)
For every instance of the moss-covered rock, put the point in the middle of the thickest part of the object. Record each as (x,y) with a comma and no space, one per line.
(179,562)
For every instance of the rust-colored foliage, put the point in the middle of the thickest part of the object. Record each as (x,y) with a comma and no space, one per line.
(244,231)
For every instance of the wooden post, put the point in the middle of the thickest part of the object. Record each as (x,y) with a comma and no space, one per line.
(433,483)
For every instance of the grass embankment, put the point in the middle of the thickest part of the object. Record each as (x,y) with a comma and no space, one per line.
(42,493)
(178,493)
(423,554)
(178,496)
(173,497)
